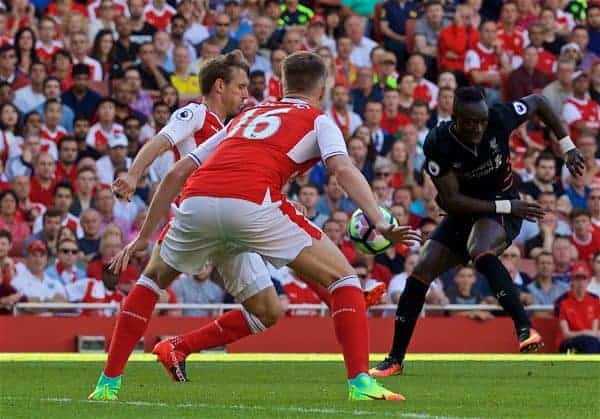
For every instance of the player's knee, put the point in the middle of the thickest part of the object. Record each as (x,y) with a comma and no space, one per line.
(270,314)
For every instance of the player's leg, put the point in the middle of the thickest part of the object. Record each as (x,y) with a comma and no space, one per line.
(324,262)
(132,322)
(435,259)
(247,279)
(487,240)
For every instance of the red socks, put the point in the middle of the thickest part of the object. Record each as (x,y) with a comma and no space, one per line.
(350,322)
(131,324)
(228,328)
(318,289)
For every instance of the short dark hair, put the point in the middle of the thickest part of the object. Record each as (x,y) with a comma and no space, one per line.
(80,117)
(303,72)
(425,220)
(49,102)
(221,67)
(80,69)
(52,213)
(67,240)
(469,94)
(9,192)
(65,140)
(85,169)
(544,155)
(104,100)
(419,104)
(543,253)
(309,185)
(132,118)
(6,234)
(578,212)
(159,104)
(6,48)
(63,185)
(257,73)
(49,79)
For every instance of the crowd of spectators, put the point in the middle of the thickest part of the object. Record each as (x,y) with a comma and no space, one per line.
(83,85)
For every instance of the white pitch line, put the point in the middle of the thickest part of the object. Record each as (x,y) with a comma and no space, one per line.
(289,409)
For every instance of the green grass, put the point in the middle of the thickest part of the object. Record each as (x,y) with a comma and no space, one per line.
(294,389)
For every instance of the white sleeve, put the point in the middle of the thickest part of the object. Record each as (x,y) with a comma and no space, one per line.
(184,122)
(397,284)
(206,148)
(570,113)
(329,137)
(472,61)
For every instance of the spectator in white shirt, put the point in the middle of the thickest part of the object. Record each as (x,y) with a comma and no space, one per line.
(32,282)
(362,46)
(30,97)
(198,289)
(116,159)
(80,46)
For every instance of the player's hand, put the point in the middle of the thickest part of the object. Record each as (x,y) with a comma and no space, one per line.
(575,163)
(399,234)
(119,263)
(531,211)
(124,186)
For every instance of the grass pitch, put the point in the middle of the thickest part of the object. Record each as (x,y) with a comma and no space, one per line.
(303,386)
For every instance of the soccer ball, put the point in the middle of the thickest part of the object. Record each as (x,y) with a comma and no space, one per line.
(364,235)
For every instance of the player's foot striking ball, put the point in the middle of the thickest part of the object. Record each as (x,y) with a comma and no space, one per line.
(468,160)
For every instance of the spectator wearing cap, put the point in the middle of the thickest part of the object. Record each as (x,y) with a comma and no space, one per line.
(11,220)
(249,48)
(221,35)
(584,237)
(347,120)
(560,89)
(316,36)
(456,39)
(106,129)
(571,51)
(545,289)
(579,314)
(65,269)
(526,79)
(361,45)
(427,31)
(29,97)
(580,111)
(89,244)
(8,68)
(30,279)
(116,159)
(80,96)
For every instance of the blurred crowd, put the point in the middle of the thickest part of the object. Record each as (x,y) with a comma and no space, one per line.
(83,85)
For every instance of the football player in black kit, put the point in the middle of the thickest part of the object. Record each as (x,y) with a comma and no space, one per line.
(468,160)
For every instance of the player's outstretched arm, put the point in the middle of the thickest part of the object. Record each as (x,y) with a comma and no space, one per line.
(124,186)
(538,105)
(456,203)
(167,191)
(356,186)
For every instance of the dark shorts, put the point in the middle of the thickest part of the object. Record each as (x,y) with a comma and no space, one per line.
(453,232)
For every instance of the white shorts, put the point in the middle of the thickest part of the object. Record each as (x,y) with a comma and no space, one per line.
(216,229)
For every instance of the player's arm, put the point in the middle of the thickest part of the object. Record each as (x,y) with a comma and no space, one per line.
(456,203)
(538,105)
(333,151)
(182,125)
(124,186)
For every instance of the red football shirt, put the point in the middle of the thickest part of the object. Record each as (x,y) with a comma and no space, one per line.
(579,314)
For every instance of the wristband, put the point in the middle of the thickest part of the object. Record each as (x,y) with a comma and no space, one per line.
(566,144)
(503,207)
